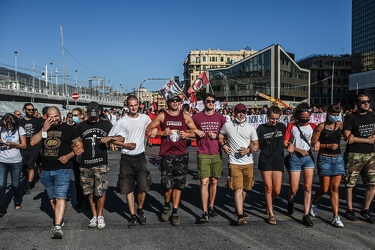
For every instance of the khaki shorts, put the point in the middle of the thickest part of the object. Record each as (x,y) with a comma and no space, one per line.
(241,177)
(359,164)
(94,180)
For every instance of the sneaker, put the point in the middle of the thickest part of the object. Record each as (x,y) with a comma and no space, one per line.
(241,220)
(350,215)
(132,222)
(290,208)
(314,210)
(245,215)
(336,222)
(101,222)
(205,217)
(141,218)
(306,221)
(165,213)
(57,232)
(175,219)
(211,212)
(367,215)
(28,190)
(93,222)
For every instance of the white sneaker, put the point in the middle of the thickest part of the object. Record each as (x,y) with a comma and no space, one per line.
(57,233)
(314,210)
(101,222)
(336,222)
(93,222)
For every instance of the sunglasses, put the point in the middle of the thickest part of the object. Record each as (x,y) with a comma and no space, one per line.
(175,100)
(210,101)
(29,109)
(17,114)
(365,101)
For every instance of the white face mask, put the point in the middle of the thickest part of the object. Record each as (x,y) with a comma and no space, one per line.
(240,121)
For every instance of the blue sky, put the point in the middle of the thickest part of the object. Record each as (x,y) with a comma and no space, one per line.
(129,41)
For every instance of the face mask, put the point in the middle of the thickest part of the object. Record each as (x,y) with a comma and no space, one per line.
(303,121)
(75,119)
(240,121)
(333,118)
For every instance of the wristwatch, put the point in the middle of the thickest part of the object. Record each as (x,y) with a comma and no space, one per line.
(217,136)
(44,134)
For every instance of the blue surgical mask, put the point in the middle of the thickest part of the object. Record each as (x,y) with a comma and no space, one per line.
(76,119)
(333,118)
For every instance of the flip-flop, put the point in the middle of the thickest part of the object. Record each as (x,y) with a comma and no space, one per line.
(271,220)
(17,206)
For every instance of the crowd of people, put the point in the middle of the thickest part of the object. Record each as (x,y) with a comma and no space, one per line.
(50,147)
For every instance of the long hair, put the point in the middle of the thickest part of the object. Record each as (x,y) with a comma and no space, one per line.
(302,107)
(9,119)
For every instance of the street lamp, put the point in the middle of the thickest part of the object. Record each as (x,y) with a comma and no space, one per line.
(76,79)
(147,79)
(15,67)
(51,79)
(56,72)
(226,87)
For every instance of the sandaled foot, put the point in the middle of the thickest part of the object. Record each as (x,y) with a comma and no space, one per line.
(17,206)
(271,220)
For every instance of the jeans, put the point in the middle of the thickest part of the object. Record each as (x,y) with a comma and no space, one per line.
(56,182)
(15,173)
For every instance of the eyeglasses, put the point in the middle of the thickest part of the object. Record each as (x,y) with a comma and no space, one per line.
(365,101)
(210,101)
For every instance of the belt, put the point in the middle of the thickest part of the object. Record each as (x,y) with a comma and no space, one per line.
(133,156)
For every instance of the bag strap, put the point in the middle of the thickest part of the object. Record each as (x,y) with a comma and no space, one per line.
(304,138)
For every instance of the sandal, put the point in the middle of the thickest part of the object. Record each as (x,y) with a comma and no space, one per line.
(271,220)
(17,206)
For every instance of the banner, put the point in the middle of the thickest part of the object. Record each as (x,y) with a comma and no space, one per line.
(199,83)
(170,89)
(256,120)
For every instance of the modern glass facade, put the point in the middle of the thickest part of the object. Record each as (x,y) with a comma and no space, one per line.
(363,35)
(271,71)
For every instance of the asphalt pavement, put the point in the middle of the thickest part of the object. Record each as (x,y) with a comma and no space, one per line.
(30,227)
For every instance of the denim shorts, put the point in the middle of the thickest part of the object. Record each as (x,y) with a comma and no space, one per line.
(299,162)
(56,182)
(330,165)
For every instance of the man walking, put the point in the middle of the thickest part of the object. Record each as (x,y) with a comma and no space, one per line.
(133,164)
(210,166)
(360,157)
(32,125)
(175,128)
(242,141)
(57,140)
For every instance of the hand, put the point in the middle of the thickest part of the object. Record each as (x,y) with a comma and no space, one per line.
(244,151)
(303,152)
(78,150)
(63,159)
(290,148)
(48,123)
(332,146)
(371,139)
(153,133)
(212,136)
(227,149)
(130,145)
(106,139)
(316,146)
(167,132)
(200,133)
(183,135)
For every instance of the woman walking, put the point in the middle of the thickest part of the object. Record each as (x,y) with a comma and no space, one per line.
(11,141)
(271,163)
(326,139)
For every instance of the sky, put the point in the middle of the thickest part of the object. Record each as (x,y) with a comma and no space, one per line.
(129,41)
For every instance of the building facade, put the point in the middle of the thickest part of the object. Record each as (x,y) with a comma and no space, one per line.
(202,60)
(271,71)
(327,71)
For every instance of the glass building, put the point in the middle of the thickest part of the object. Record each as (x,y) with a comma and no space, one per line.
(271,71)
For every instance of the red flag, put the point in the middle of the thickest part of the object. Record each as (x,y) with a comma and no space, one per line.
(199,83)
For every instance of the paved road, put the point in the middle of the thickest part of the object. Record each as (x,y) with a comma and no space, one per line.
(30,227)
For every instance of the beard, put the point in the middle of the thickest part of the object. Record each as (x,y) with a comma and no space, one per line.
(28,115)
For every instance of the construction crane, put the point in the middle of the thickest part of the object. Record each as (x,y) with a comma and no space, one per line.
(278,102)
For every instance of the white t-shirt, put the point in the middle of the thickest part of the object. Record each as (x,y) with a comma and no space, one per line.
(11,155)
(133,129)
(112,118)
(239,135)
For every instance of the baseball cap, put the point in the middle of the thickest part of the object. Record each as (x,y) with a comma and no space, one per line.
(93,109)
(170,97)
(240,107)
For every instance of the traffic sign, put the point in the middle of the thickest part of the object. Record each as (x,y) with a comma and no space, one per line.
(75,96)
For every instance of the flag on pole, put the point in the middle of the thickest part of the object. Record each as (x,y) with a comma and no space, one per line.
(199,83)
(170,89)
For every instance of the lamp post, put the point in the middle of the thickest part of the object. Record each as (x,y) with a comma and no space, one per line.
(147,79)
(226,87)
(56,72)
(76,79)
(51,79)
(15,67)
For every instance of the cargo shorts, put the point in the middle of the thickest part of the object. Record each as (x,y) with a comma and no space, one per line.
(359,164)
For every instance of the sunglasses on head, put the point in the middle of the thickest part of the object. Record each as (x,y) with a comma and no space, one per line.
(210,101)
(365,101)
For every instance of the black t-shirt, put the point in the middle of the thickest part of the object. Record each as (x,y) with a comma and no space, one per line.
(271,156)
(360,126)
(58,143)
(32,126)
(95,152)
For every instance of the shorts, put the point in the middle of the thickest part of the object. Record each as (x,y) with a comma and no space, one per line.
(209,166)
(359,164)
(133,169)
(173,171)
(56,182)
(241,177)
(299,162)
(94,180)
(330,165)
(29,158)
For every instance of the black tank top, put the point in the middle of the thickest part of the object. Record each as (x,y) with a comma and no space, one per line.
(330,137)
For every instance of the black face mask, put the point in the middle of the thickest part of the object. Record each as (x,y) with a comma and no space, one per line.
(303,121)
